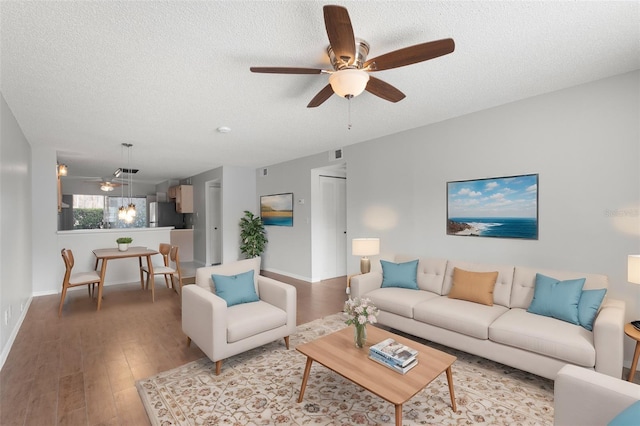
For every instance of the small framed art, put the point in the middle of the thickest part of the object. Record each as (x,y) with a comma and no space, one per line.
(277,209)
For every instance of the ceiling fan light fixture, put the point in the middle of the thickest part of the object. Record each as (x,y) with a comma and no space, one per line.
(106,187)
(349,82)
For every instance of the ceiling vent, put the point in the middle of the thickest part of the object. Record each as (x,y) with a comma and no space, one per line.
(335,154)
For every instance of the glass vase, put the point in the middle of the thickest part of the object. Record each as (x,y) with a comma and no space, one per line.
(360,335)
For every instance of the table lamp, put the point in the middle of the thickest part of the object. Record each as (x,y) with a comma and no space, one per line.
(633,272)
(365,247)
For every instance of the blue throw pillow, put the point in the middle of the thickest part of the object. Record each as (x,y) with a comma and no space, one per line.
(401,275)
(628,417)
(557,299)
(590,302)
(236,289)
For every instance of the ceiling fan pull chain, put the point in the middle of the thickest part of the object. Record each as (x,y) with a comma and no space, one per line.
(349,97)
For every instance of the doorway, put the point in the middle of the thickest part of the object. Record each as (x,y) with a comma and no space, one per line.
(329,223)
(214,223)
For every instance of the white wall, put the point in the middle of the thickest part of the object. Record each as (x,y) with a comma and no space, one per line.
(289,248)
(16,232)
(238,194)
(584,142)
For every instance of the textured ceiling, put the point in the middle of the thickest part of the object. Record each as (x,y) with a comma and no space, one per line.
(84,77)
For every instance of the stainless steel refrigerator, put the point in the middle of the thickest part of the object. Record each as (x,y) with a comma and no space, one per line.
(165,214)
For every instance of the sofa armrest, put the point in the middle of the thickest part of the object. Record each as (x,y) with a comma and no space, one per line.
(281,295)
(608,338)
(204,320)
(585,397)
(364,283)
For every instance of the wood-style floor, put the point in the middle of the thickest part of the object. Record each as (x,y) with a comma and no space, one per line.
(81,369)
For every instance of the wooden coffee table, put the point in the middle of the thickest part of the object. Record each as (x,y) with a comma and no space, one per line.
(338,353)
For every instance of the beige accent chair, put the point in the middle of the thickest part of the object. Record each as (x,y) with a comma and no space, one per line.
(221,331)
(587,398)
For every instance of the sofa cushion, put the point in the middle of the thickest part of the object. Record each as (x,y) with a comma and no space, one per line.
(431,271)
(524,282)
(401,275)
(203,275)
(469,318)
(235,289)
(590,301)
(557,299)
(399,301)
(248,319)
(628,417)
(544,335)
(473,286)
(502,289)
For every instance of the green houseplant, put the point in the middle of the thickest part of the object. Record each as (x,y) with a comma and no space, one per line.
(252,234)
(123,243)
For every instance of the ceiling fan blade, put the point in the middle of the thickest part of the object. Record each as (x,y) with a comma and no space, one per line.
(340,33)
(384,90)
(411,55)
(322,96)
(285,70)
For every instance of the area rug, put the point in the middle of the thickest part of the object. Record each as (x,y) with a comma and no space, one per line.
(261,386)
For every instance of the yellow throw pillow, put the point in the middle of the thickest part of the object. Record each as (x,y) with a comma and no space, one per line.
(473,286)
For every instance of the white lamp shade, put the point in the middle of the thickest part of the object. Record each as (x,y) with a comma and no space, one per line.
(633,272)
(365,246)
(349,82)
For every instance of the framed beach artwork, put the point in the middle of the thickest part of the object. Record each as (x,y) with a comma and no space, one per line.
(502,207)
(277,209)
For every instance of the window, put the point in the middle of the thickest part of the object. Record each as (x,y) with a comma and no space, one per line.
(100,212)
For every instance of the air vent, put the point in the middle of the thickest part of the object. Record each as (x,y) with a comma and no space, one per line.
(265,172)
(131,171)
(336,154)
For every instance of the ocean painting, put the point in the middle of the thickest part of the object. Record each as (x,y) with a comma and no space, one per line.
(505,207)
(277,209)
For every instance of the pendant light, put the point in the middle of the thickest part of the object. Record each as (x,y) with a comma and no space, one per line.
(127,212)
(131,208)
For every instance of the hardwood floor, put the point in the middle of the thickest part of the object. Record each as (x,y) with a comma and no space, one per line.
(81,369)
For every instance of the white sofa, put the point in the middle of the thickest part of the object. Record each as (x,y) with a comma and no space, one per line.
(504,332)
(588,398)
(221,331)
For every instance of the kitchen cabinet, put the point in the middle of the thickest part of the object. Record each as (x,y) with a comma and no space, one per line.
(184,198)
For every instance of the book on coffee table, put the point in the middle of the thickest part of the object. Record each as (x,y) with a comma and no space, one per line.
(389,364)
(394,352)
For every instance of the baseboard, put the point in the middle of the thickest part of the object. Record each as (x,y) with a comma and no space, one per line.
(288,274)
(12,338)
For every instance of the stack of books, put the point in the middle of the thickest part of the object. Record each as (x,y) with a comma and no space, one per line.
(394,355)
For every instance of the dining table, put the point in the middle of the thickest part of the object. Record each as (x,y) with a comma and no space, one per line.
(106,254)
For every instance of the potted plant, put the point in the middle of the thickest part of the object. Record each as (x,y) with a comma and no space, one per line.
(123,243)
(252,234)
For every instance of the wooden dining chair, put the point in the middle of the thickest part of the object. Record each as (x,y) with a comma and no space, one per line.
(71,279)
(168,252)
(164,250)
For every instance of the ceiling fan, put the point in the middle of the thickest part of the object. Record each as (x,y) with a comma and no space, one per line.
(350,74)
(106,184)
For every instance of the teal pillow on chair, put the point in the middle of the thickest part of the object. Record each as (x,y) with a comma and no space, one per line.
(557,299)
(629,417)
(401,275)
(236,289)
(590,302)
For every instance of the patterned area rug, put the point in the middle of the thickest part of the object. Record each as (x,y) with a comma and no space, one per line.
(261,386)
